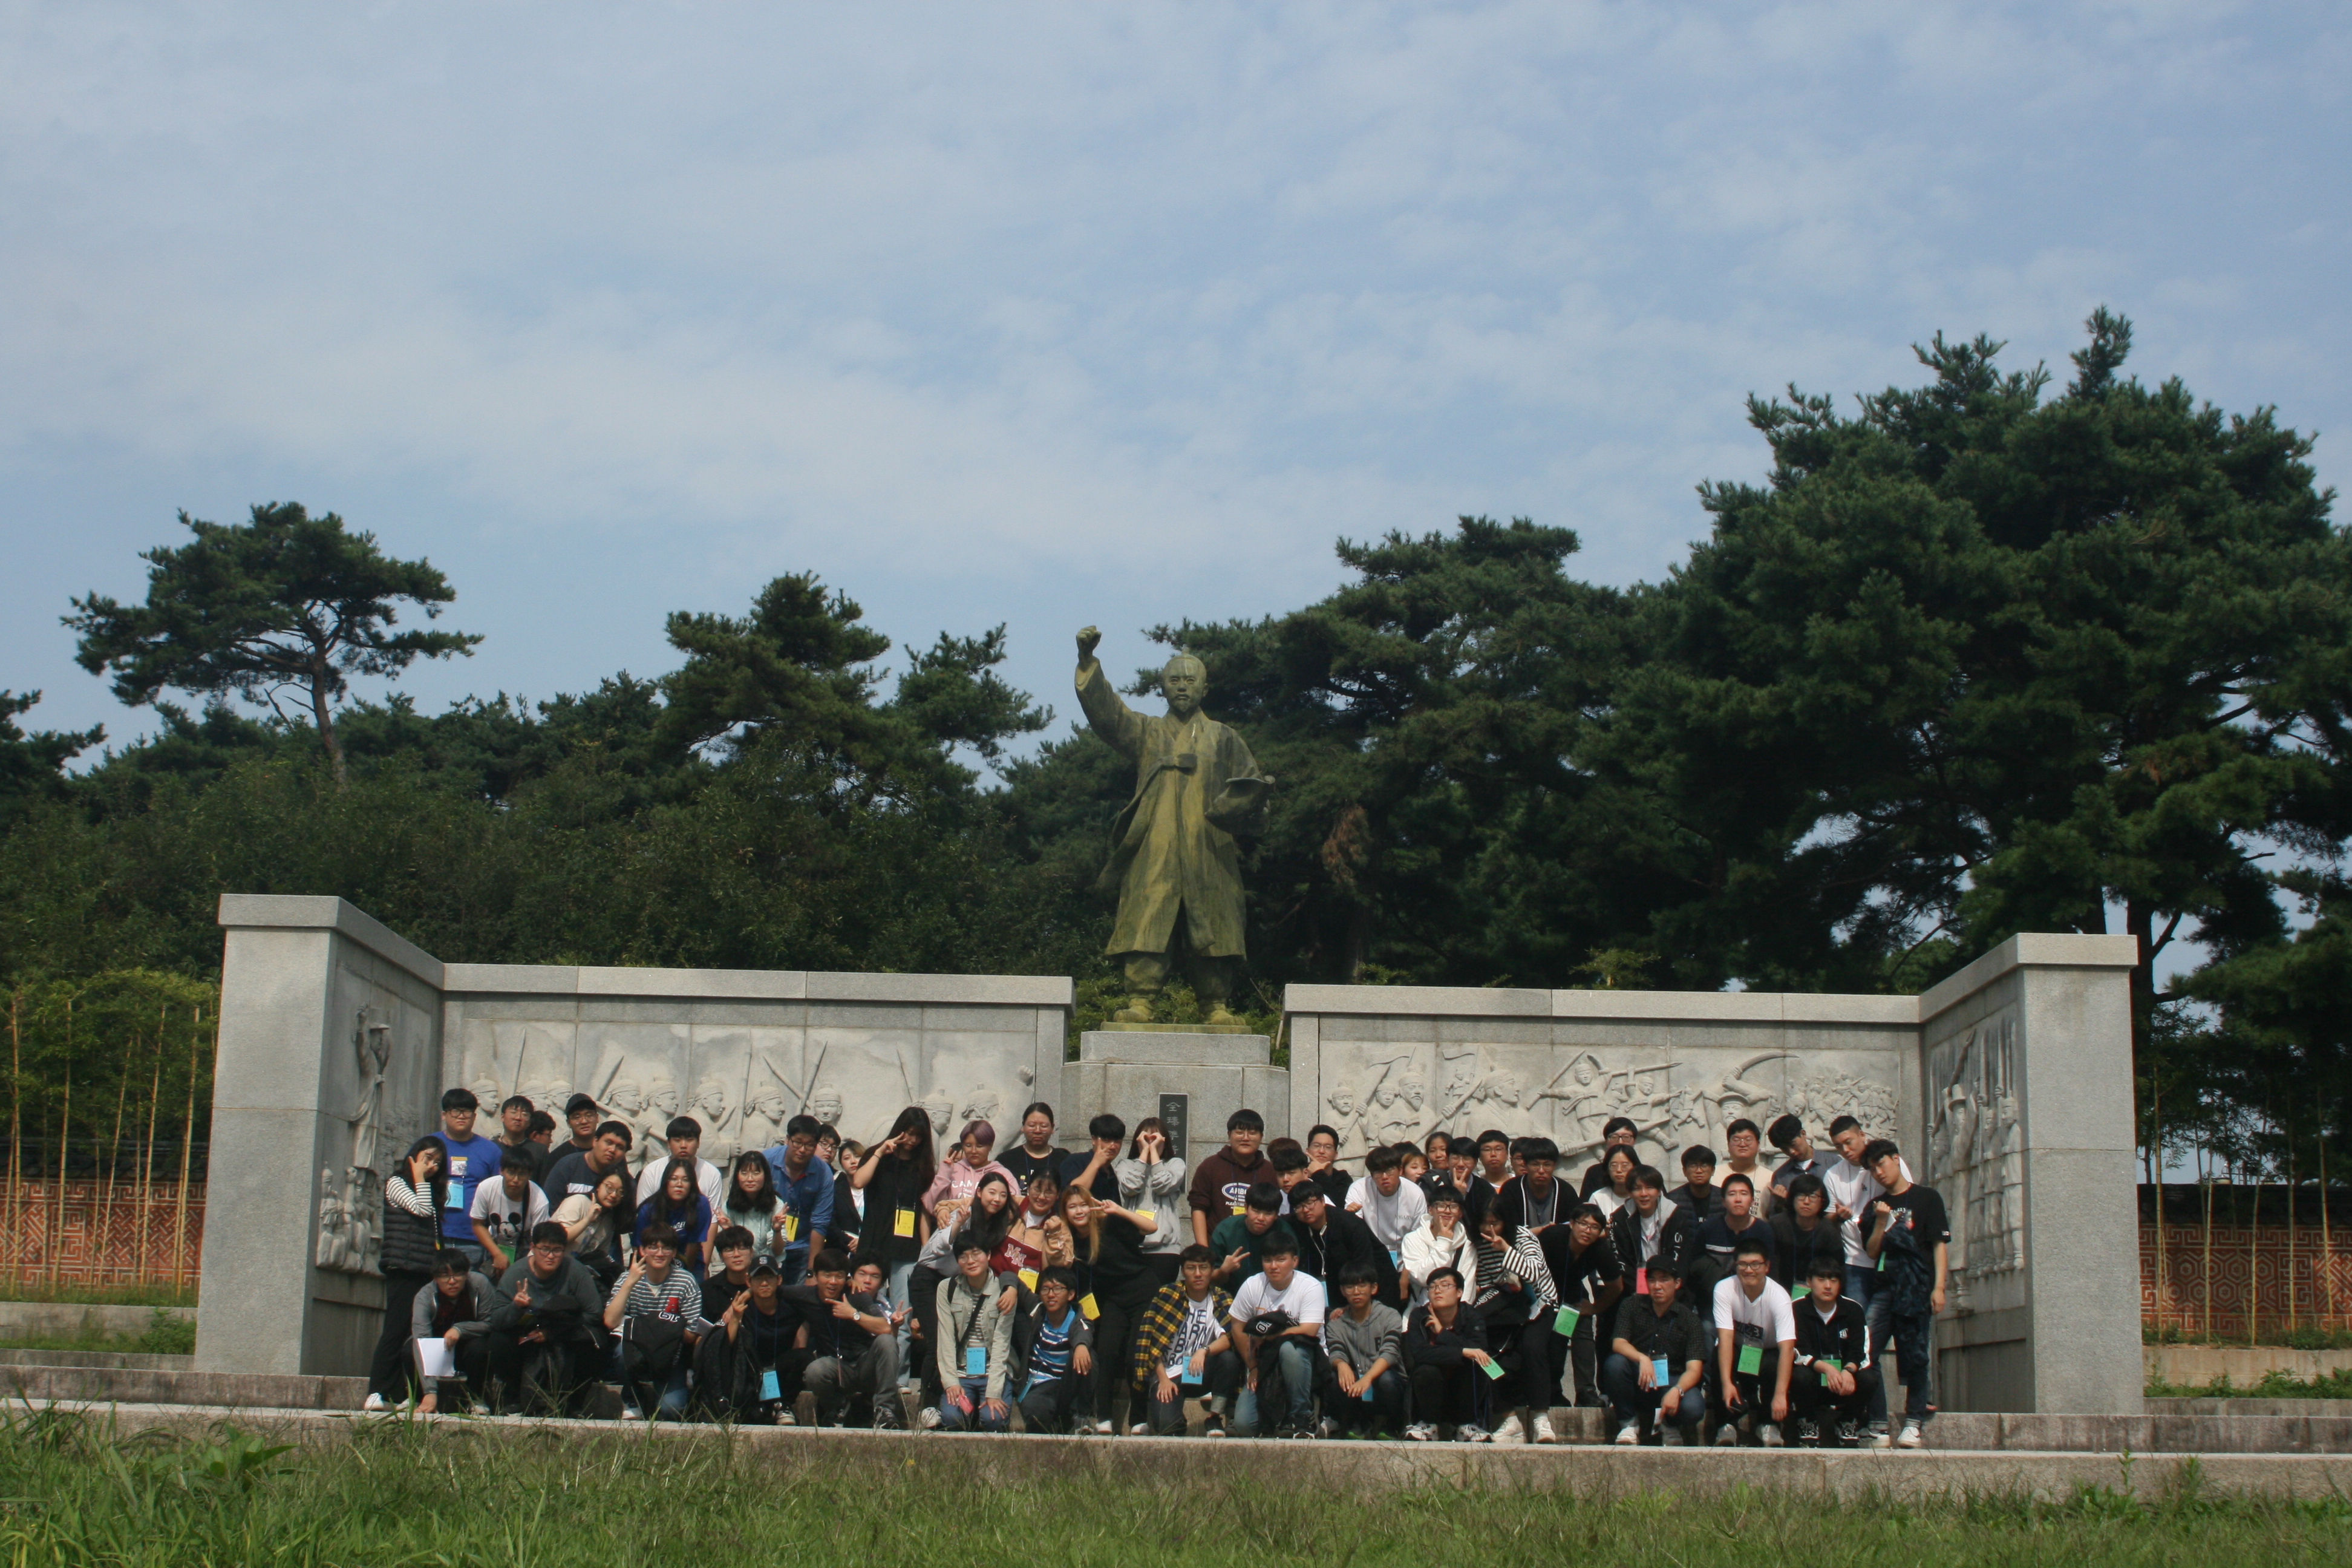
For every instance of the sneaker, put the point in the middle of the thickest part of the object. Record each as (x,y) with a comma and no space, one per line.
(1102,1430)
(1214,1426)
(631,1413)
(1846,1435)
(1356,1435)
(889,1413)
(929,1418)
(1471,1431)
(1326,1429)
(1306,1432)
(1629,1434)
(1545,1432)
(1728,1434)
(1911,1436)
(1422,1431)
(1511,1431)
(1809,1433)
(1772,1434)
(1140,1429)
(1669,1436)
(375,1405)
(1879,1438)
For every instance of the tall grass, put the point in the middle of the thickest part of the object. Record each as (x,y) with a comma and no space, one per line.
(70,1494)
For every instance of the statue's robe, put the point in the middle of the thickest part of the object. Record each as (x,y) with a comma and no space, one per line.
(1173,848)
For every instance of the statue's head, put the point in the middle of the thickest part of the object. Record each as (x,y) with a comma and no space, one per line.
(1185,679)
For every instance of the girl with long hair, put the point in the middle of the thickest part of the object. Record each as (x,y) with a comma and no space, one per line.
(1114,1287)
(893,1176)
(1152,1184)
(597,1223)
(754,1203)
(679,1203)
(413,1197)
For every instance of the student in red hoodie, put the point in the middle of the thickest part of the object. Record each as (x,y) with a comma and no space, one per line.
(1221,1183)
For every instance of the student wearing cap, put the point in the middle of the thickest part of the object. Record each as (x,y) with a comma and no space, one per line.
(1440,1241)
(1657,1361)
(1331,1238)
(745,1369)
(581,1117)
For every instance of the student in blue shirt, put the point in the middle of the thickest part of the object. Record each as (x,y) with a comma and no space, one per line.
(469,1161)
(805,1184)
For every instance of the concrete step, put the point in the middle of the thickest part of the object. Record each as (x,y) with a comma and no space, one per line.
(148,1385)
(111,1360)
(72,1319)
(2305,1407)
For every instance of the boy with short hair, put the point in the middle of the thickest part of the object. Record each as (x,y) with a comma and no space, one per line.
(1322,1164)
(807,1185)
(684,1137)
(1240,1241)
(545,1342)
(1720,1237)
(1698,1196)
(1055,1345)
(1756,1344)
(1106,1142)
(1652,1230)
(470,1161)
(1588,1279)
(732,1249)
(1221,1183)
(852,1352)
(1798,1156)
(541,1135)
(1910,1238)
(1835,1373)
(1392,1205)
(514,1121)
(1493,1148)
(1277,1325)
(1363,1372)
(1657,1360)
(578,1173)
(1179,1335)
(1740,1143)
(580,1116)
(656,1305)
(1446,1344)
(506,1211)
(975,1345)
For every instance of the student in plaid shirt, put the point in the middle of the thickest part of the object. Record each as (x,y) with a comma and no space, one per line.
(1178,1333)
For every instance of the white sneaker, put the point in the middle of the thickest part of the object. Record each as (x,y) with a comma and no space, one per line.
(1102,1428)
(928,1418)
(1511,1431)
(1470,1432)
(1140,1429)
(631,1413)
(1879,1438)
(1728,1434)
(1629,1434)
(1422,1431)
(1770,1432)
(1911,1437)
(1544,1430)
(375,1405)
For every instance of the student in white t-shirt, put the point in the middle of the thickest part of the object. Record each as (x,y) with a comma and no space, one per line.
(684,1137)
(1282,1365)
(505,1210)
(1755,1348)
(1392,1205)
(1850,1188)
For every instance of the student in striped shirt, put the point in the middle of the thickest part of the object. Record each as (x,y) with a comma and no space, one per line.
(1054,1345)
(656,1306)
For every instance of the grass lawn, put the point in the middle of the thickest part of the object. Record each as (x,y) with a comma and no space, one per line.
(67,1495)
(98,1294)
(2273,1386)
(163,1335)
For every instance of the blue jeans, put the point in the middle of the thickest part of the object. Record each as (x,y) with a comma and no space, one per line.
(1290,1368)
(668,1391)
(1621,1384)
(794,1265)
(1914,1334)
(900,1273)
(1861,1286)
(975,1389)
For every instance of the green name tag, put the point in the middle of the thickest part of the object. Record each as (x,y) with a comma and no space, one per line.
(1494,1369)
(1799,1291)
(1751,1359)
(1564,1323)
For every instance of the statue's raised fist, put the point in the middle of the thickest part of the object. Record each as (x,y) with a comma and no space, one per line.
(1089,640)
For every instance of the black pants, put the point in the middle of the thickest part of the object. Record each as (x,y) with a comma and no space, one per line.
(1531,1367)
(552,1376)
(1052,1405)
(1755,1389)
(465,1390)
(1384,1413)
(1810,1400)
(923,1293)
(1449,1392)
(1121,1307)
(391,1371)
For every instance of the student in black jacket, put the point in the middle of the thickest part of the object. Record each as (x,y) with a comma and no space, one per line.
(1445,1349)
(1830,1391)
(1803,1234)
(1698,1196)
(1617,1132)
(546,1338)
(1587,1278)
(1331,1238)
(1652,1229)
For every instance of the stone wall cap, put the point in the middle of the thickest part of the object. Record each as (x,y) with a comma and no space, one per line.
(1599,1006)
(2029,949)
(325,911)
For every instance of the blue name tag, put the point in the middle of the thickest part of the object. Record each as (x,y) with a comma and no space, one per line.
(1367,1394)
(456,1195)
(1665,1376)
(769,1387)
(975,1361)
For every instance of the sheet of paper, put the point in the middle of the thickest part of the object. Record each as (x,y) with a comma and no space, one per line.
(436,1359)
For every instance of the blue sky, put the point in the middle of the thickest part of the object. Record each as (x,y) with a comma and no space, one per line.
(1053,315)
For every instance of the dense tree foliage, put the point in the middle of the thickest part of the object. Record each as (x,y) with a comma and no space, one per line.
(1980,656)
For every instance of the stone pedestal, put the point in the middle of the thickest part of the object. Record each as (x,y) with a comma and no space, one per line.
(1125,1071)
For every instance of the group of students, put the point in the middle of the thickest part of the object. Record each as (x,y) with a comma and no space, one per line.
(1453,1289)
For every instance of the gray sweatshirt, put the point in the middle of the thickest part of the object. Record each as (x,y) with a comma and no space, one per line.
(1360,1344)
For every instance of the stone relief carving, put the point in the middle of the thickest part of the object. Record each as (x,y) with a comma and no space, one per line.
(351,1196)
(1977,1151)
(1378,1093)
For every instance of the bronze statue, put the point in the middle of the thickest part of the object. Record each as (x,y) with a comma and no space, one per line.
(1173,859)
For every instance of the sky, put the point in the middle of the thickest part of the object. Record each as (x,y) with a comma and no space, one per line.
(1057,315)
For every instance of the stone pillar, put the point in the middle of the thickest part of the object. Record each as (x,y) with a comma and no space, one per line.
(329,1067)
(2028,1077)
(1125,1073)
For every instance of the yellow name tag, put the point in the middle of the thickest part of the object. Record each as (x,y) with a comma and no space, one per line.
(905,1223)
(1239,1208)
(1086,1305)
(1147,1219)
(792,1228)
(1028,1278)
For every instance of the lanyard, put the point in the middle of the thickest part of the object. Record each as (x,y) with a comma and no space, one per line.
(1551,1211)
